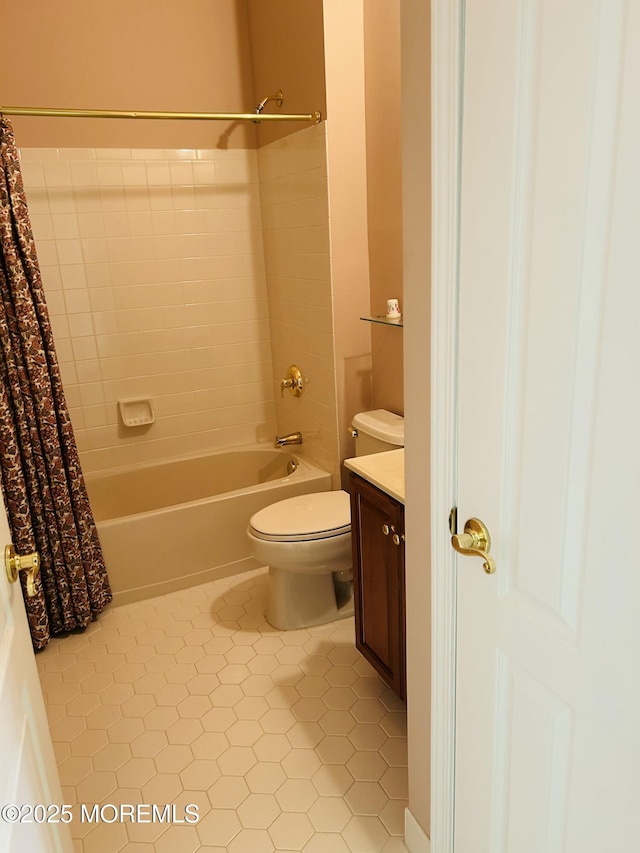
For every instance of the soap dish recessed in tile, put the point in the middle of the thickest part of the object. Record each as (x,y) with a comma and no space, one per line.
(136,411)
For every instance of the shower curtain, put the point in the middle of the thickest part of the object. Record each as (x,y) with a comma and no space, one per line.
(40,474)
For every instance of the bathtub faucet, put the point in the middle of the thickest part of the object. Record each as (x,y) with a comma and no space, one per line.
(292,438)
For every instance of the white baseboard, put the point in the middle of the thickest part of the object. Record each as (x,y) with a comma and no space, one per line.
(415,838)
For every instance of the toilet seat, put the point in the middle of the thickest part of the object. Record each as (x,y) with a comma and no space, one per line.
(321,515)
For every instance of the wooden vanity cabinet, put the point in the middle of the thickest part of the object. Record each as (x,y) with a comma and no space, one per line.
(377,529)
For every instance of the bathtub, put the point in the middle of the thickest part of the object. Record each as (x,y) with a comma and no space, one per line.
(174,524)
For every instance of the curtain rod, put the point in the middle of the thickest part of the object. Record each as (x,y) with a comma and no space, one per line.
(256,117)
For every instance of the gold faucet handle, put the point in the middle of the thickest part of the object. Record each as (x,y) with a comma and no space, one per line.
(293,381)
(475,542)
(29,563)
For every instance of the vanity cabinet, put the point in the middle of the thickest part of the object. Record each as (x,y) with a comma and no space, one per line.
(377,528)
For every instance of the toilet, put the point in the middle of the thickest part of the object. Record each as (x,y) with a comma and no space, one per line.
(306,540)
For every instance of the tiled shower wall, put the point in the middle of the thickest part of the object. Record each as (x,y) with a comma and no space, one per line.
(153,268)
(294,193)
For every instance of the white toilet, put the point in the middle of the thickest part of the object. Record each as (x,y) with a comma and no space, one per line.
(306,540)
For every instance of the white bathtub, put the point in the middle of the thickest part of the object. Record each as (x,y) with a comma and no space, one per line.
(175,524)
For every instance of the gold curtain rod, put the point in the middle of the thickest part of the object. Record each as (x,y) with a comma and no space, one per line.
(257,117)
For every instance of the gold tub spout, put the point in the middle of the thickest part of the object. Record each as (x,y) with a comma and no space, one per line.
(292,438)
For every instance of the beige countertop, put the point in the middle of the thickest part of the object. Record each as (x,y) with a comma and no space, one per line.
(384,470)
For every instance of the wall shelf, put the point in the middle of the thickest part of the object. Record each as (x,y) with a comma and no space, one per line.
(384,321)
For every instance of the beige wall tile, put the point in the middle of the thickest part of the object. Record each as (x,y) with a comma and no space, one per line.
(190,282)
(156,288)
(296,239)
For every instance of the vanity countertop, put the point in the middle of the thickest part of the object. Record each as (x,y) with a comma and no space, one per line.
(384,470)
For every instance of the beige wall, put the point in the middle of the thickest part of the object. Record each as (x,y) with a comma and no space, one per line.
(143,55)
(155,54)
(153,268)
(293,187)
(287,52)
(362,79)
(346,164)
(416,144)
(384,194)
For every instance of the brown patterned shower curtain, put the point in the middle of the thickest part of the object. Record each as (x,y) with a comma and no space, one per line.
(40,472)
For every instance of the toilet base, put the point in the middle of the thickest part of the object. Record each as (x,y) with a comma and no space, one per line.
(303,600)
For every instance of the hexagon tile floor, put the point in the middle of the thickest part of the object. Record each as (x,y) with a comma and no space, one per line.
(285,740)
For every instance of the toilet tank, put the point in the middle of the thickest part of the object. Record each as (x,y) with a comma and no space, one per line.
(377,431)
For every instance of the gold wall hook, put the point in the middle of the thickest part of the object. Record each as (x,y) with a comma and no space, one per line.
(475,542)
(15,563)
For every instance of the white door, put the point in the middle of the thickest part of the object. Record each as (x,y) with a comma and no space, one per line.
(28,777)
(548,675)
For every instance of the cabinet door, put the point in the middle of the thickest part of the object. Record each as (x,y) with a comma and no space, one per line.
(379,581)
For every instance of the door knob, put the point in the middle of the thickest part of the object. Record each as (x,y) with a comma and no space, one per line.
(475,542)
(29,563)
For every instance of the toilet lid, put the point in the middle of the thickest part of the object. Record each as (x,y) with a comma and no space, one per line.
(317,516)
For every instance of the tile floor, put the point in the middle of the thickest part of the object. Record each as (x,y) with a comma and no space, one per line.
(285,740)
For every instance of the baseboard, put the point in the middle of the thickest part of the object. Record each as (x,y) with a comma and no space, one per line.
(415,838)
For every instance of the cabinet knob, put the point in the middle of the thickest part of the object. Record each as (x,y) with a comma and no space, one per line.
(396,539)
(386,529)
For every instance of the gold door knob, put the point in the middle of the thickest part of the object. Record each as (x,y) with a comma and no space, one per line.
(475,542)
(15,563)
